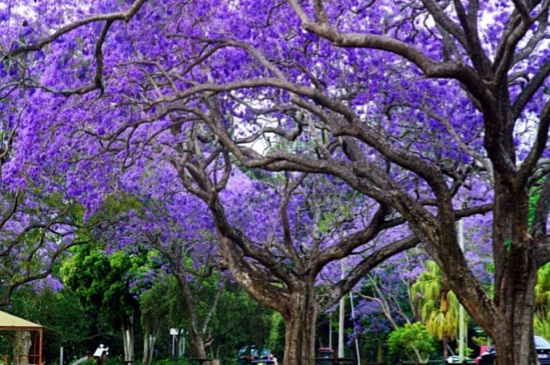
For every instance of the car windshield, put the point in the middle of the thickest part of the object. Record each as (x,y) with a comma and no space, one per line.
(541,342)
(246,350)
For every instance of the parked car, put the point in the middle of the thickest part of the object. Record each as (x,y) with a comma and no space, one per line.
(250,354)
(542,346)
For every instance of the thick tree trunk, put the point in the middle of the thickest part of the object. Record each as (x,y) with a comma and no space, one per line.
(196,344)
(511,348)
(21,344)
(514,339)
(516,274)
(300,328)
(296,302)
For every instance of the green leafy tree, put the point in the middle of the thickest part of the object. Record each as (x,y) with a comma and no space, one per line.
(542,302)
(155,305)
(36,231)
(541,320)
(66,323)
(102,283)
(413,340)
(438,305)
(239,321)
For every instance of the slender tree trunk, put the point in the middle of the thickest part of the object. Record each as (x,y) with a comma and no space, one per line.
(300,328)
(149,341)
(128,338)
(379,351)
(445,352)
(180,345)
(196,342)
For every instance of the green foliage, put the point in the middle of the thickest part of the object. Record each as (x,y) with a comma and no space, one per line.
(438,305)
(542,302)
(542,287)
(468,352)
(66,324)
(412,340)
(533,200)
(172,362)
(155,304)
(94,362)
(101,282)
(276,339)
(239,321)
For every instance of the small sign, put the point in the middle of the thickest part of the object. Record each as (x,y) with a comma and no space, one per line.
(174,331)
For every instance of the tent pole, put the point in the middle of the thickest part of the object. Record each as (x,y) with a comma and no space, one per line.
(40,348)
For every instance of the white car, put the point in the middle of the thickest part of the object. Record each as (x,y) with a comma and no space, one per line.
(455,359)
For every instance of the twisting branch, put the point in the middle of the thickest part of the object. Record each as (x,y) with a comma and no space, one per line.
(517,28)
(475,48)
(537,37)
(534,85)
(125,16)
(523,10)
(445,22)
(108,19)
(13,209)
(97,82)
(540,219)
(368,263)
(526,169)
(287,237)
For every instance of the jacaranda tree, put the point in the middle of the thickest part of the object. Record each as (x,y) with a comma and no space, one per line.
(405,112)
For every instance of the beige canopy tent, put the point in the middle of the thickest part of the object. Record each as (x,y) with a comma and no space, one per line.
(9,322)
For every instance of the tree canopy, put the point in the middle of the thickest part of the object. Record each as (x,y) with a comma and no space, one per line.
(313,131)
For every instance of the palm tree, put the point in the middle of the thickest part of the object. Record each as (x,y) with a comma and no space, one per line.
(437,304)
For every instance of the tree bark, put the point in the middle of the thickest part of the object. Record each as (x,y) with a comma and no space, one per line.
(300,324)
(196,344)
(445,352)
(21,343)
(128,338)
(516,273)
(149,341)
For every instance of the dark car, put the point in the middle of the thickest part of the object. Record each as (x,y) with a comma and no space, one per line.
(542,346)
(253,355)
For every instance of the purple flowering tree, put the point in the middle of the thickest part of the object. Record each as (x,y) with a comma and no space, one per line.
(38,221)
(34,235)
(418,112)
